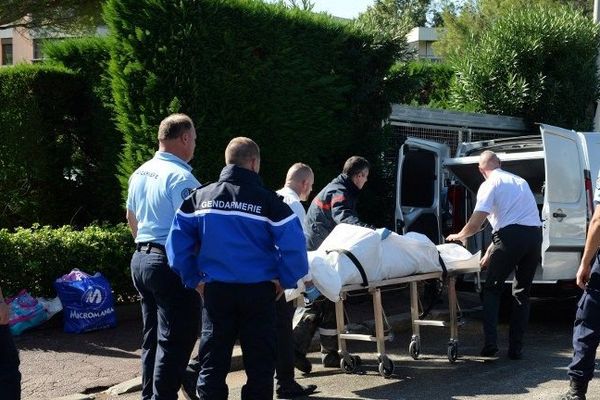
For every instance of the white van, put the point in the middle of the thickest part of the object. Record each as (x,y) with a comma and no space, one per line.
(435,193)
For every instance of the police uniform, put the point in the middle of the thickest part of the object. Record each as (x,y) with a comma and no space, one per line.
(517,237)
(246,237)
(170,311)
(10,377)
(335,204)
(586,330)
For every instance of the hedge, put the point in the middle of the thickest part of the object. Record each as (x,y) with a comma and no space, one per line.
(59,148)
(420,83)
(33,258)
(304,86)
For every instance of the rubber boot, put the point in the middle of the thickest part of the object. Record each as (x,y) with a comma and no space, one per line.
(577,391)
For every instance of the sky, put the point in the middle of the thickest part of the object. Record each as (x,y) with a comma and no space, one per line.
(342,8)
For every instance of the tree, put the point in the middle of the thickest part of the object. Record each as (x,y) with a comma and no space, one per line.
(464,24)
(56,15)
(538,63)
(306,5)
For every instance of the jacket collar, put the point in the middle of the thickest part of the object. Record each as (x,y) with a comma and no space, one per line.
(233,173)
(347,182)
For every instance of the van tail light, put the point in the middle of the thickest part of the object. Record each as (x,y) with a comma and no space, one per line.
(589,191)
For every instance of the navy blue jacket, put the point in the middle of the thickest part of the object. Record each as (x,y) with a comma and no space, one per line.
(244,233)
(335,204)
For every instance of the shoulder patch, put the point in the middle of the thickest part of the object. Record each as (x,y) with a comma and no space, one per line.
(185,193)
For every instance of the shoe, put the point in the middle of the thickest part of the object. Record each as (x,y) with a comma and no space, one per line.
(296,390)
(301,363)
(188,385)
(331,360)
(489,350)
(577,391)
(515,354)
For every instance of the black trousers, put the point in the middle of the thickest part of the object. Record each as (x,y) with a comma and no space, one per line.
(516,248)
(247,312)
(320,315)
(586,330)
(10,377)
(284,367)
(170,317)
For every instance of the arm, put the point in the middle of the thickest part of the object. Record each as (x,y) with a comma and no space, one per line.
(182,246)
(592,242)
(4,317)
(132,222)
(473,225)
(343,212)
(289,239)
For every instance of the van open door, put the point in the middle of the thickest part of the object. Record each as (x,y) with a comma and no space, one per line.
(419,184)
(564,212)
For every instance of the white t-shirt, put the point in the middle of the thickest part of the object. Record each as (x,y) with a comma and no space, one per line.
(508,200)
(290,197)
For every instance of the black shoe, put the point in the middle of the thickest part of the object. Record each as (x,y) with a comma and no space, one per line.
(489,350)
(331,360)
(515,354)
(296,390)
(188,386)
(301,363)
(577,391)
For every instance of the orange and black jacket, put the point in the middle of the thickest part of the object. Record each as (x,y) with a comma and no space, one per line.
(335,204)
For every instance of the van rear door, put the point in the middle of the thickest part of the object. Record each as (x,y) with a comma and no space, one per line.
(419,184)
(564,212)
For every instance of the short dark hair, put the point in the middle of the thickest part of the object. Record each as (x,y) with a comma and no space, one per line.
(355,165)
(174,126)
(241,150)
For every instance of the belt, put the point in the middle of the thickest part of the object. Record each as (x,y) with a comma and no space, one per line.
(150,247)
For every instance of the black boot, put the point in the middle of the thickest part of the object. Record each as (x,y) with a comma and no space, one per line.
(577,391)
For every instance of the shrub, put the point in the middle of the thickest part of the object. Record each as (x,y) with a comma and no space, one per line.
(538,63)
(420,83)
(304,86)
(34,257)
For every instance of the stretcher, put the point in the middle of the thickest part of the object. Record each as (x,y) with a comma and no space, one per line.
(350,363)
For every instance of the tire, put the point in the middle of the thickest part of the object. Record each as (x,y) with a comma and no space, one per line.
(348,364)
(452,352)
(414,350)
(386,367)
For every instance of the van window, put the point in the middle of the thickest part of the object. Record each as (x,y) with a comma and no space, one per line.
(559,150)
(418,179)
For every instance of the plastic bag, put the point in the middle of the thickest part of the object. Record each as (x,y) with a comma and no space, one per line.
(24,312)
(87,301)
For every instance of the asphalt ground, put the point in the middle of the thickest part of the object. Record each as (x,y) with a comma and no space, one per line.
(55,364)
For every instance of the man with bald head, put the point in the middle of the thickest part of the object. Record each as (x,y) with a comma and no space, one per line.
(508,204)
(298,185)
(237,244)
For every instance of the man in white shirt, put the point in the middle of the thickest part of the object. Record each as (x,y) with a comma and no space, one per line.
(509,205)
(298,185)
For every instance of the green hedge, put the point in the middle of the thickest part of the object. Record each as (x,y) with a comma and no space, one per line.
(33,258)
(420,83)
(304,86)
(58,152)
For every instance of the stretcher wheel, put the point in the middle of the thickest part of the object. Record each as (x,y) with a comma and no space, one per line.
(348,364)
(452,352)
(357,361)
(414,349)
(386,366)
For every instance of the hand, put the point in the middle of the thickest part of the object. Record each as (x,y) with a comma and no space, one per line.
(455,237)
(583,275)
(278,289)
(312,293)
(484,262)
(200,289)
(4,315)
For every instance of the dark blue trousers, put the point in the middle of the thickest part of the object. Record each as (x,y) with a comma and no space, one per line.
(284,367)
(586,330)
(170,316)
(245,312)
(516,248)
(10,377)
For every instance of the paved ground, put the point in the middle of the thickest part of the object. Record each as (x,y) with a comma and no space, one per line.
(56,364)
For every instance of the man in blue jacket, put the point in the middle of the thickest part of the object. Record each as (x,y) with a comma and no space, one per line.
(237,244)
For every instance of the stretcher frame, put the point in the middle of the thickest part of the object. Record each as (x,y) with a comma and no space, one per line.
(350,363)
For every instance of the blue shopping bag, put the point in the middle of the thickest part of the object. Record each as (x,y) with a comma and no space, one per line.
(87,302)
